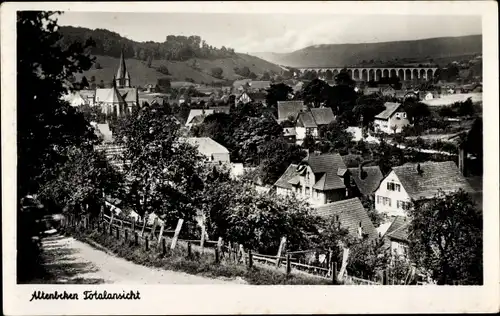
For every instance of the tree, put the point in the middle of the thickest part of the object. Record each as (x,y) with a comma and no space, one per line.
(150,61)
(416,111)
(446,238)
(315,91)
(84,82)
(165,172)
(164,70)
(266,76)
(276,156)
(252,76)
(277,92)
(92,79)
(46,125)
(217,72)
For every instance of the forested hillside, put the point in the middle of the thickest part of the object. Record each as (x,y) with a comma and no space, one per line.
(180,58)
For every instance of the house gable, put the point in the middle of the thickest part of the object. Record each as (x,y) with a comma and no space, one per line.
(390,195)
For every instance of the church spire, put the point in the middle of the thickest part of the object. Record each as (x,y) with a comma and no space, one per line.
(122,77)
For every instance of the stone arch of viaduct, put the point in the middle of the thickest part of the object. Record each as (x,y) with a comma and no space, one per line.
(367,74)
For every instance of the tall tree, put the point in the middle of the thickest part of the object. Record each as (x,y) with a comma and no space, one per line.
(446,238)
(46,125)
(277,92)
(165,172)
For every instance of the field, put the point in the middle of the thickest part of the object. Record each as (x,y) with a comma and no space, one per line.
(141,74)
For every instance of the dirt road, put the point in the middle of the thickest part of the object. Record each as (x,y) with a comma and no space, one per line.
(70,261)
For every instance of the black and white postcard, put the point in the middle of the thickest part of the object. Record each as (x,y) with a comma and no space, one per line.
(250,157)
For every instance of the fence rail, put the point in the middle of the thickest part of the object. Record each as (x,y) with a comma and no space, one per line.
(221,251)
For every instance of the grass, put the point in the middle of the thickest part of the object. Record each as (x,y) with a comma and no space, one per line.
(197,264)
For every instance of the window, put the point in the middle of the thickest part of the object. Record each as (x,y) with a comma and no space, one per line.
(403,205)
(391,186)
(404,114)
(383,200)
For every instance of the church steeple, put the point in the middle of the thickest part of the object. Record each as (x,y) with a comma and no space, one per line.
(122,78)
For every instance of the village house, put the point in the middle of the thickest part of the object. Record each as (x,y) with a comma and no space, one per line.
(247,97)
(415,182)
(396,236)
(388,91)
(351,215)
(258,86)
(212,150)
(315,179)
(308,123)
(241,85)
(371,90)
(197,116)
(75,99)
(392,120)
(364,180)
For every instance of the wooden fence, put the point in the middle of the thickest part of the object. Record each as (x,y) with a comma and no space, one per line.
(157,237)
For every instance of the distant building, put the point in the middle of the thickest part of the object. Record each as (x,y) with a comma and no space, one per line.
(122,97)
(307,123)
(371,90)
(414,182)
(388,91)
(396,236)
(392,119)
(212,150)
(247,97)
(197,116)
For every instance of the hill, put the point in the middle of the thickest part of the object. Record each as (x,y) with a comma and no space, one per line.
(185,58)
(141,74)
(407,52)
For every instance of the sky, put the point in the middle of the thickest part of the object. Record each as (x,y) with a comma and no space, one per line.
(279,33)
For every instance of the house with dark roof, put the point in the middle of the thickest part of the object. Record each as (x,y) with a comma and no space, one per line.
(317,178)
(396,236)
(364,180)
(308,122)
(290,110)
(351,215)
(392,120)
(416,182)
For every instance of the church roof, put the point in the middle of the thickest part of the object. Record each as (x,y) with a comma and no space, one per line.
(122,69)
(114,96)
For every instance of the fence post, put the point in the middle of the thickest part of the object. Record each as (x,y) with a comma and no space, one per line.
(136,238)
(111,222)
(202,240)
(146,243)
(250,258)
(161,233)
(163,247)
(288,264)
(334,273)
(117,232)
(189,249)
(143,226)
(241,256)
(153,230)
(219,246)
(280,249)
(216,255)
(176,233)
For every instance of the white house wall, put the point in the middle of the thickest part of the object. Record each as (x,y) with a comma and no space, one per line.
(394,196)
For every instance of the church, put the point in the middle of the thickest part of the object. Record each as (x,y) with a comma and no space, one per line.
(122,98)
